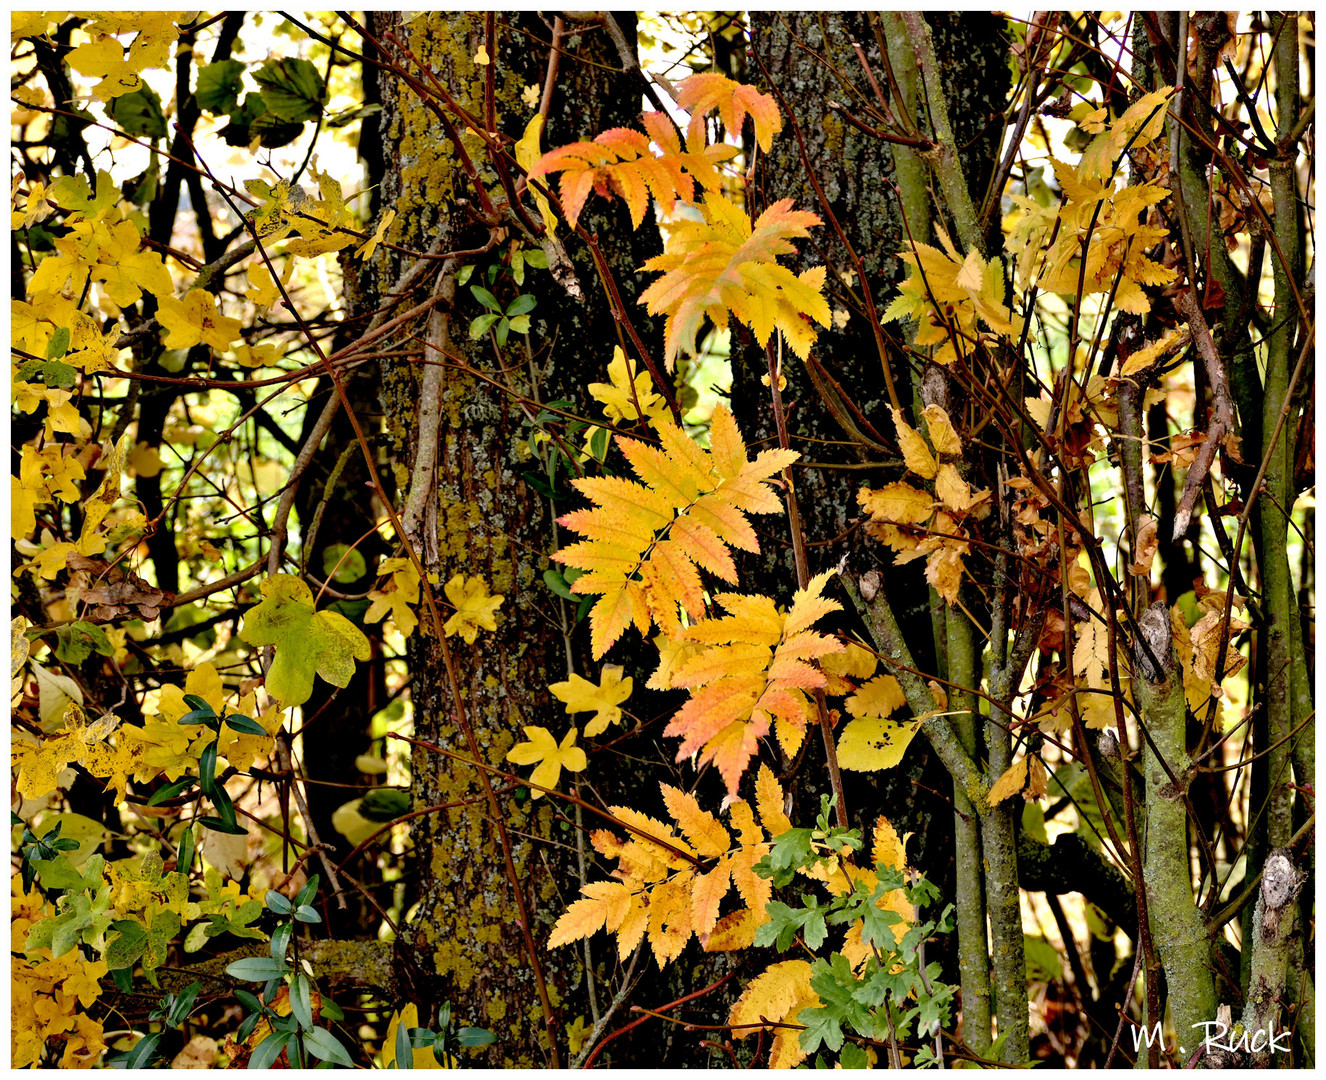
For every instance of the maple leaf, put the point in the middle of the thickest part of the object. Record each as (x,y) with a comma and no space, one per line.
(195,319)
(475,609)
(702,93)
(724,266)
(604,700)
(551,757)
(754,668)
(627,395)
(620,162)
(397,601)
(307,642)
(645,542)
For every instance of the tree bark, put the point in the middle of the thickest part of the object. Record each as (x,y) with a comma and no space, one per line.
(482,933)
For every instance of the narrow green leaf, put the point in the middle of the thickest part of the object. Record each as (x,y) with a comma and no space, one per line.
(256,969)
(324,1046)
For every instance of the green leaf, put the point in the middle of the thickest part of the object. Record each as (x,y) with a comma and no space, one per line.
(230,828)
(179,1009)
(486,298)
(480,326)
(301,1001)
(503,329)
(471,1037)
(143,1052)
(59,343)
(278,903)
(598,443)
(324,1046)
(219,86)
(404,1051)
(249,1001)
(308,642)
(77,641)
(536,257)
(308,892)
(256,969)
(185,861)
(207,769)
(139,114)
(558,584)
(463,274)
(520,324)
(306,914)
(245,725)
(853,1057)
(292,88)
(347,562)
(281,940)
(521,305)
(125,950)
(384,804)
(266,1052)
(169,791)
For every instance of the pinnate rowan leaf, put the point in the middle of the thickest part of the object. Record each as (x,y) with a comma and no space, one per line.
(723,266)
(706,92)
(644,542)
(620,162)
(754,668)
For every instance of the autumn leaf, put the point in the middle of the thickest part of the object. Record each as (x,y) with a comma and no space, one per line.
(723,266)
(399,600)
(307,642)
(627,395)
(644,543)
(550,757)
(1008,785)
(620,162)
(754,668)
(603,700)
(475,609)
(660,893)
(195,319)
(706,92)
(915,453)
(871,741)
(776,997)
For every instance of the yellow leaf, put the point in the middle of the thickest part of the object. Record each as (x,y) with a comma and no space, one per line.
(952,489)
(627,395)
(702,830)
(703,93)
(915,453)
(769,799)
(1009,784)
(886,847)
(776,997)
(365,250)
(603,700)
(550,756)
(644,543)
(873,743)
(724,266)
(1171,340)
(853,662)
(421,1057)
(898,504)
(943,437)
(475,609)
(756,668)
(881,696)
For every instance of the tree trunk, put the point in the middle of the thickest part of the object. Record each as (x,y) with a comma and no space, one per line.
(810,59)
(496,870)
